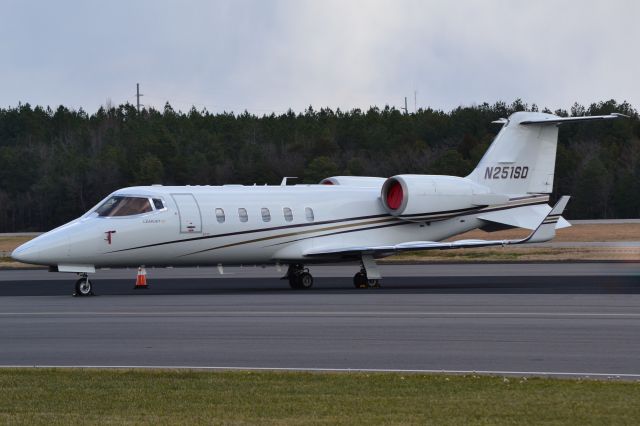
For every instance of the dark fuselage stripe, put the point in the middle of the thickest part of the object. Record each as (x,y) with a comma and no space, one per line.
(519,202)
(325,235)
(375,227)
(444,212)
(290,234)
(343,232)
(484,210)
(250,231)
(299,239)
(387,217)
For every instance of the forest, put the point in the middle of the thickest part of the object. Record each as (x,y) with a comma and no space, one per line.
(56,164)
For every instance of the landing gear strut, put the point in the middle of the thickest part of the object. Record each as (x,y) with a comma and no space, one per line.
(84,286)
(299,277)
(369,276)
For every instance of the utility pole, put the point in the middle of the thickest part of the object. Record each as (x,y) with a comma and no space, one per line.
(138,94)
(406,111)
(415,101)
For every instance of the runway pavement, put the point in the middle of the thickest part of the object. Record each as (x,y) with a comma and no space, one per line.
(528,318)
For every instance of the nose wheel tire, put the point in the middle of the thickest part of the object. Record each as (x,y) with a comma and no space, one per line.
(306,280)
(84,287)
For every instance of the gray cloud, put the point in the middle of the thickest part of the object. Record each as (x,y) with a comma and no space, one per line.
(269,56)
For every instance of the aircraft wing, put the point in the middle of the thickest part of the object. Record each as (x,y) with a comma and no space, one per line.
(527,217)
(545,231)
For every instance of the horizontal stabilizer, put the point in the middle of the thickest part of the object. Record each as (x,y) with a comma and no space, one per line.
(528,217)
(545,231)
(558,120)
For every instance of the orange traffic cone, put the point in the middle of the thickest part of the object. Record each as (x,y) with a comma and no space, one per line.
(141,279)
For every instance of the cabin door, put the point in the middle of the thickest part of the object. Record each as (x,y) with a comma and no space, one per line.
(189,213)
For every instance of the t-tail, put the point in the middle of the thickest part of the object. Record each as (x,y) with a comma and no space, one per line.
(522,157)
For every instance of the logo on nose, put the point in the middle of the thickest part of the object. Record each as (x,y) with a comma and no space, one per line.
(109,236)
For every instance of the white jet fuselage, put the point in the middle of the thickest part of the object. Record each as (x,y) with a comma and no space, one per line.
(205,225)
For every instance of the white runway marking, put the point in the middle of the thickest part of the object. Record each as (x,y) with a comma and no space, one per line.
(330,313)
(342,370)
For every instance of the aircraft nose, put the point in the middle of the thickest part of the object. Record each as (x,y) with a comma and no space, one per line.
(47,249)
(26,253)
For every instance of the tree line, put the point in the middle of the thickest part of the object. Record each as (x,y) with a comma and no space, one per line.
(56,164)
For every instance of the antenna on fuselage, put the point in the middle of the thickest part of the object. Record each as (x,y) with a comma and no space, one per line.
(284,180)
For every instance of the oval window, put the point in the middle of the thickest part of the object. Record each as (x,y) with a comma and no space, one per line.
(288,214)
(308,212)
(266,215)
(220,215)
(242,214)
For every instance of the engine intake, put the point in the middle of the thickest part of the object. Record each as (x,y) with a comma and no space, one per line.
(422,198)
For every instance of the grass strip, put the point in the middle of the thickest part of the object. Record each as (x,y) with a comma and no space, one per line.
(520,254)
(60,396)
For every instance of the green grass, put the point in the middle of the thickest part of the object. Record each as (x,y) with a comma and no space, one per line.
(188,397)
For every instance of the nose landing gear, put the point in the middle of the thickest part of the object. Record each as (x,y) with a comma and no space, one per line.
(84,287)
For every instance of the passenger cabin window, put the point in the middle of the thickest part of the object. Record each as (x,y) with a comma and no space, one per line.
(266,216)
(288,214)
(242,214)
(308,212)
(119,205)
(158,204)
(220,215)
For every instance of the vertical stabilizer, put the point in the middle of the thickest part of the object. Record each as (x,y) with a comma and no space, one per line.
(522,157)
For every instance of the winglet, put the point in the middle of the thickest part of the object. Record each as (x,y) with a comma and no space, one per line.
(547,228)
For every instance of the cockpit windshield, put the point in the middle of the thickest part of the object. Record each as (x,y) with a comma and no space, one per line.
(119,205)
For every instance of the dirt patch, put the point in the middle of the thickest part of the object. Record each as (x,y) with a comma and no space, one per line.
(521,254)
(8,263)
(8,244)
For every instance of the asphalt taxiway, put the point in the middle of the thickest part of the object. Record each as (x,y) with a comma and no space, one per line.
(581,319)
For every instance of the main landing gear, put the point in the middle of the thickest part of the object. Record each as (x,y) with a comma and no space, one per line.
(299,277)
(360,280)
(84,286)
(369,275)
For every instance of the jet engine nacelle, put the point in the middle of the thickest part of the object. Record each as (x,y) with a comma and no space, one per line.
(361,181)
(431,197)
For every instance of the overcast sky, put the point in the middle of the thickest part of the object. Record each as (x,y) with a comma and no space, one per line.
(267,56)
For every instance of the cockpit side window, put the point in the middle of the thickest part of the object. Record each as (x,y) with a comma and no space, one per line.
(159,205)
(124,206)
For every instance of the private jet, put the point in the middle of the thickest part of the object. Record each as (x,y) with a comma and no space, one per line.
(343,218)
